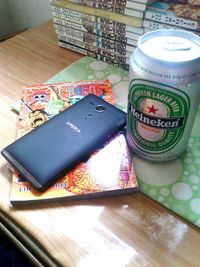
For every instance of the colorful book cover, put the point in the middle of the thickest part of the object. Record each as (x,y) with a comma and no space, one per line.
(179,14)
(43,101)
(108,171)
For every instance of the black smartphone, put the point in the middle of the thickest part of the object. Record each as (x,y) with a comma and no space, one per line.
(44,154)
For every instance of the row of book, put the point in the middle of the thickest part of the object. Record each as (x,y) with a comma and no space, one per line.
(109,30)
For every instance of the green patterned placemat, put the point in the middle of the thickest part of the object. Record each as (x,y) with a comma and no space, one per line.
(175,184)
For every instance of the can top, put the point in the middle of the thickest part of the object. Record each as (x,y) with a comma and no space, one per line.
(170,45)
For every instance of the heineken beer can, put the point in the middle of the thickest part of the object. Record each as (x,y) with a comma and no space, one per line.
(164,93)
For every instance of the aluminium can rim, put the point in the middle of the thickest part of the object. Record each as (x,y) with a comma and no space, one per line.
(169,32)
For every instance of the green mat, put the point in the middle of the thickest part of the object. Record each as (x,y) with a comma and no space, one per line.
(176,184)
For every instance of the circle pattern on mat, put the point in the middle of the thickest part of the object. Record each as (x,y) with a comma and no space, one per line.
(98,65)
(181,191)
(178,182)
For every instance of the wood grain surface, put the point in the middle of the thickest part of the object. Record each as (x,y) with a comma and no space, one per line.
(129,230)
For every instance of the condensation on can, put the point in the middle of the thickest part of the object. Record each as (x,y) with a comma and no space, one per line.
(164,93)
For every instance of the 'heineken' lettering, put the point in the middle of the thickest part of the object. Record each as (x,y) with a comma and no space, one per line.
(164,123)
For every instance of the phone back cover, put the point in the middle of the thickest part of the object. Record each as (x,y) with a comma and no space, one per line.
(45,153)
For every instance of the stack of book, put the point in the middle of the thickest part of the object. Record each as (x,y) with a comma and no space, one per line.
(175,14)
(109,29)
(106,29)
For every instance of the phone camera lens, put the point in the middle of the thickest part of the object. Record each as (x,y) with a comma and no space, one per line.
(100,108)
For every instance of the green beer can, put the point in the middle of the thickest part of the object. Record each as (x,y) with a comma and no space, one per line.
(164,93)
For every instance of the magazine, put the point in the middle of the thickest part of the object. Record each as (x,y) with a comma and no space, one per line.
(108,171)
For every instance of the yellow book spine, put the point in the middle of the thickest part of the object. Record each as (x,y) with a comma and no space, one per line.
(129,20)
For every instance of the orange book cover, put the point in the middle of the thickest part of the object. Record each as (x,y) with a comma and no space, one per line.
(108,171)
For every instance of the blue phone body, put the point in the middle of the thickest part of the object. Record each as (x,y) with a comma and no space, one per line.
(44,154)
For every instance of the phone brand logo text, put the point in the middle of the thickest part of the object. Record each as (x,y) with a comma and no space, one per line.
(73,127)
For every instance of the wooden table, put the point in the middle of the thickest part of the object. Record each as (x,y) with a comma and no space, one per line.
(129,230)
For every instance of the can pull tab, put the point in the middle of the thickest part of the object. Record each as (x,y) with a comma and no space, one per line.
(176,46)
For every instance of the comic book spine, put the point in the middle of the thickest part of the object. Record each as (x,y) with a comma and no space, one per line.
(87,45)
(82,51)
(121,9)
(159,16)
(144,1)
(77,8)
(99,50)
(93,39)
(99,29)
(83,18)
(153,25)
(114,3)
